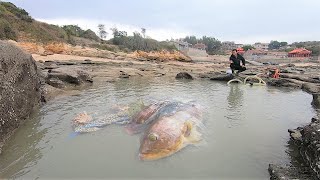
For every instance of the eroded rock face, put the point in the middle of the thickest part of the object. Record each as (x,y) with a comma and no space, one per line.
(19,88)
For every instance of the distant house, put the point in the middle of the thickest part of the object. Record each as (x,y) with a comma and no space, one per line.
(263,46)
(200,46)
(299,52)
(181,45)
(239,45)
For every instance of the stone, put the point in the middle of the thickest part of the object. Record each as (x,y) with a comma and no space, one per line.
(183,75)
(19,88)
(67,76)
(222,77)
(316,100)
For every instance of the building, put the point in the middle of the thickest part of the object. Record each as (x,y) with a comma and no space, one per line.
(263,46)
(181,45)
(299,52)
(228,45)
(200,46)
(239,45)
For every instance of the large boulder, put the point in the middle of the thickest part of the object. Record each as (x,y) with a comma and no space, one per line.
(19,88)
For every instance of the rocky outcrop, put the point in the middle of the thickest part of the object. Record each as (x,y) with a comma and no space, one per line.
(65,76)
(282,82)
(307,142)
(19,88)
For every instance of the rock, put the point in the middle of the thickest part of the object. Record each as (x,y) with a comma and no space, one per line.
(316,100)
(222,77)
(87,61)
(300,78)
(286,173)
(311,87)
(49,63)
(52,66)
(54,82)
(19,88)
(281,82)
(308,146)
(183,75)
(295,134)
(123,75)
(67,63)
(64,76)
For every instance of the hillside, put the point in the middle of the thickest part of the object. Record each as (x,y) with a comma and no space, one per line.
(18,25)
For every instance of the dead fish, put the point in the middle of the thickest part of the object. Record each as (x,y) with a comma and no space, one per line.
(82,118)
(152,112)
(169,134)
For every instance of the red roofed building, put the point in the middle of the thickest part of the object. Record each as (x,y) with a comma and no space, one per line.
(299,52)
(241,51)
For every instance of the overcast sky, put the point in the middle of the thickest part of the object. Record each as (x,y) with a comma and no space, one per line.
(242,21)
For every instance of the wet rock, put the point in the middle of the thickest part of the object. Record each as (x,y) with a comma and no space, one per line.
(56,83)
(67,63)
(87,61)
(316,100)
(311,87)
(222,77)
(19,88)
(124,75)
(309,146)
(295,134)
(286,173)
(281,82)
(183,75)
(52,66)
(49,63)
(62,77)
(301,78)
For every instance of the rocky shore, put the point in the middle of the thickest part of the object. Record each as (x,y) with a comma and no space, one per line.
(26,81)
(19,88)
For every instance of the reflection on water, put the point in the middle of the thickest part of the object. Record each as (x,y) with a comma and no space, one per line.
(235,100)
(246,130)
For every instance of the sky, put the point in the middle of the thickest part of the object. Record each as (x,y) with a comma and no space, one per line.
(242,21)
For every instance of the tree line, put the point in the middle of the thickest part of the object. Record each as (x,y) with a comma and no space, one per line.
(213,45)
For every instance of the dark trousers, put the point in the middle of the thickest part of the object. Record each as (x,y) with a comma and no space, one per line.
(237,67)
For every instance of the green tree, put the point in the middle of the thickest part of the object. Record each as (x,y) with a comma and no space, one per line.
(191,40)
(274,45)
(282,44)
(247,47)
(213,44)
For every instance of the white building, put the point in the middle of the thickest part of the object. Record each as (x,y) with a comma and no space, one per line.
(262,46)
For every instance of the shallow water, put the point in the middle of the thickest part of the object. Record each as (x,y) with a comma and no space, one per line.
(246,129)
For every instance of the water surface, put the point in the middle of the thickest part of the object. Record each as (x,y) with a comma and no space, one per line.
(246,129)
